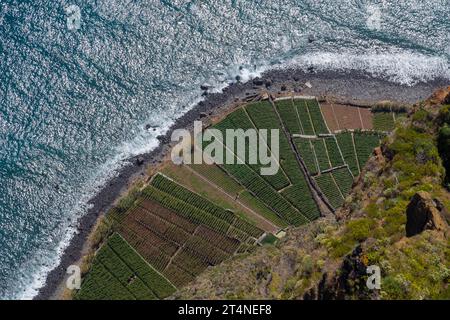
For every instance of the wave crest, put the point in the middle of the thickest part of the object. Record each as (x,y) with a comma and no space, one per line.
(402,67)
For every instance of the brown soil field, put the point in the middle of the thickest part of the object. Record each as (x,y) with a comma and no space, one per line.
(341,117)
(367,118)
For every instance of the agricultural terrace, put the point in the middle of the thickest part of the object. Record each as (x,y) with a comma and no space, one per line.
(190,217)
(343,117)
(385,121)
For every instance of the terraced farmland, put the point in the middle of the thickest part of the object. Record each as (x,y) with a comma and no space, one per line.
(119,273)
(383,121)
(175,228)
(333,152)
(344,180)
(342,117)
(304,117)
(364,145)
(321,154)
(289,116)
(306,150)
(329,187)
(265,117)
(316,117)
(347,146)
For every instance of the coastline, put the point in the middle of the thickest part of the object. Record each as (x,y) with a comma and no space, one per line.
(350,86)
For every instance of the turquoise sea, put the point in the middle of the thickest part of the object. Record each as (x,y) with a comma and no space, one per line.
(74,102)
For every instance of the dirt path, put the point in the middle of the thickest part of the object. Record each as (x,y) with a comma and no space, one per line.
(260,221)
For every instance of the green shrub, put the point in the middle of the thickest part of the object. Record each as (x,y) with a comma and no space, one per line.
(359,229)
(444,149)
(421,115)
(395,287)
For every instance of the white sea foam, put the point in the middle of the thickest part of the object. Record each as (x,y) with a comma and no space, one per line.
(405,68)
(276,33)
(400,67)
(145,141)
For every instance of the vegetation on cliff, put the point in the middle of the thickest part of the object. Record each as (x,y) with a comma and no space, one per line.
(328,258)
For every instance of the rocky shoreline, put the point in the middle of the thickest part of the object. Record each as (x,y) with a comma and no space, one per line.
(350,87)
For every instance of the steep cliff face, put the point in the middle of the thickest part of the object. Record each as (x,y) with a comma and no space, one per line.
(394,220)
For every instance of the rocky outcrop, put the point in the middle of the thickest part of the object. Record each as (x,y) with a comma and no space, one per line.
(441,96)
(423,214)
(140,161)
(447,99)
(348,281)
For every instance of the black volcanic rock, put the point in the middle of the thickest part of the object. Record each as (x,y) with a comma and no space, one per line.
(422,214)
(258,81)
(140,161)
(162,138)
(447,99)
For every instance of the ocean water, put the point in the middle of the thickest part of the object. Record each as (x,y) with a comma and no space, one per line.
(74,102)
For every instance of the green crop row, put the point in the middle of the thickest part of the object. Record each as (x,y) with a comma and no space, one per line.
(333,152)
(201,203)
(100,284)
(261,189)
(306,151)
(118,272)
(186,210)
(289,116)
(305,120)
(264,116)
(194,207)
(176,190)
(216,175)
(154,280)
(345,141)
(316,116)
(248,228)
(344,180)
(255,203)
(124,274)
(330,190)
(300,196)
(191,261)
(288,161)
(239,120)
(364,144)
(321,154)
(383,121)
